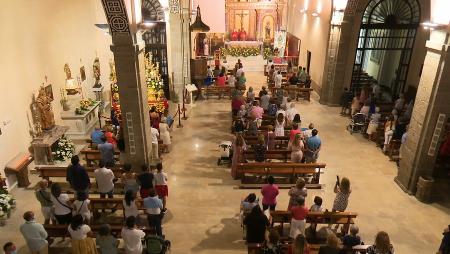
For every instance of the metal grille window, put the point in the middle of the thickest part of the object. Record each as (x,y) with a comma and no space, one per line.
(387,25)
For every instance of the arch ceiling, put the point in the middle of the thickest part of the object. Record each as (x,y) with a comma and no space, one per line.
(393,12)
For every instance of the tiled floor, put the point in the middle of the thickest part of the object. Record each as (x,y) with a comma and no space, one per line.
(204,203)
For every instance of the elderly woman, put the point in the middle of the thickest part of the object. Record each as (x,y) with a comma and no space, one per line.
(164,133)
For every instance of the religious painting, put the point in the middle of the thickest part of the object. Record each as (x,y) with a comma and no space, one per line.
(49,91)
(82,73)
(268,28)
(242,21)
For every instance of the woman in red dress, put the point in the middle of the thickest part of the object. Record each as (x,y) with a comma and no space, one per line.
(154,118)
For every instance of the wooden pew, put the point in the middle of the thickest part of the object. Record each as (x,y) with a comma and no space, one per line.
(287,169)
(341,218)
(92,155)
(283,155)
(61,230)
(256,248)
(281,141)
(47,172)
(217,90)
(109,203)
(301,92)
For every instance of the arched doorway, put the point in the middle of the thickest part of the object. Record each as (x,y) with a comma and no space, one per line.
(155,38)
(385,43)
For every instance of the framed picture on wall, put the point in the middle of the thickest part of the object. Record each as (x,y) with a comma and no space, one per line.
(49,91)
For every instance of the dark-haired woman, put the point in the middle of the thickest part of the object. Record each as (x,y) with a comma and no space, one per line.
(81,234)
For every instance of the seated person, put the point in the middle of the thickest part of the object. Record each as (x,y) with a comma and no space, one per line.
(260,149)
(264,100)
(96,136)
(293,80)
(257,111)
(332,246)
(249,202)
(220,80)
(353,238)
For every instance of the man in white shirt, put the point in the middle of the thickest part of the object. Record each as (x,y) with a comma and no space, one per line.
(132,237)
(239,71)
(155,136)
(34,234)
(264,101)
(278,79)
(291,112)
(209,72)
(268,66)
(105,180)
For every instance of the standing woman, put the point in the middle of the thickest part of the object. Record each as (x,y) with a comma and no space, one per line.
(238,155)
(296,148)
(129,179)
(382,244)
(389,128)
(299,246)
(280,123)
(256,224)
(129,205)
(164,134)
(154,118)
(61,204)
(81,234)
(297,191)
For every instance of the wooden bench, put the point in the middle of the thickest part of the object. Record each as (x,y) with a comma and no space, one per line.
(283,155)
(93,155)
(18,166)
(301,92)
(61,230)
(97,204)
(341,218)
(47,172)
(217,90)
(281,141)
(288,169)
(256,248)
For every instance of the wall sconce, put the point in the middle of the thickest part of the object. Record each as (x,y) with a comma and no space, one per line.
(432,26)
(303,11)
(315,14)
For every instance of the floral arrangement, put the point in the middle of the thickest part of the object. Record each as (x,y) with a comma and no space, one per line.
(240,51)
(268,53)
(84,106)
(63,149)
(155,93)
(7,203)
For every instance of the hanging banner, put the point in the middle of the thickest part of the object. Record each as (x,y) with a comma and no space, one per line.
(280,42)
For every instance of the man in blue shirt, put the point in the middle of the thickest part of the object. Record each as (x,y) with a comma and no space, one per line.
(313,145)
(97,135)
(154,206)
(77,176)
(106,152)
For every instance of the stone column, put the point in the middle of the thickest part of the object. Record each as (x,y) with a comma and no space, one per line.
(129,61)
(180,48)
(421,148)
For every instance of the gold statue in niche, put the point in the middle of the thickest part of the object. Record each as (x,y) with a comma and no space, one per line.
(44,108)
(96,68)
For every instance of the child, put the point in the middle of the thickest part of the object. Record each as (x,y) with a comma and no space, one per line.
(279,125)
(272,245)
(317,207)
(374,122)
(81,206)
(355,104)
(252,129)
(44,197)
(270,138)
(249,202)
(270,193)
(342,190)
(105,241)
(161,184)
(298,222)
(353,238)
(242,113)
(250,94)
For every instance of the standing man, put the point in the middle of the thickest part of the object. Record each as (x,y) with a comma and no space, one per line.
(105,180)
(154,206)
(77,176)
(106,152)
(34,234)
(313,145)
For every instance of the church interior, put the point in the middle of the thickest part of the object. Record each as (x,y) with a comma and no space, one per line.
(279,126)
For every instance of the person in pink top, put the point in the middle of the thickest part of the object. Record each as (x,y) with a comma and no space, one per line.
(220,80)
(270,193)
(295,130)
(257,111)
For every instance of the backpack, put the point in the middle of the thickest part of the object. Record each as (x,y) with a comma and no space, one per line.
(156,244)
(272,110)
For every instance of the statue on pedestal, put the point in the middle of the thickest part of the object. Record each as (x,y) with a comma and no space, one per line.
(44,108)
(96,68)
(267,29)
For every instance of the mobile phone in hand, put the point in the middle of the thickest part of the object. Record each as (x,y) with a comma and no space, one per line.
(337,180)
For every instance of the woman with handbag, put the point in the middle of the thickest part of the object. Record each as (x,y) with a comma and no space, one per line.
(61,205)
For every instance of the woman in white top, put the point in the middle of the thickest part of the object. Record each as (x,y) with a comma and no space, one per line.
(279,125)
(129,204)
(81,234)
(132,237)
(81,206)
(164,134)
(61,204)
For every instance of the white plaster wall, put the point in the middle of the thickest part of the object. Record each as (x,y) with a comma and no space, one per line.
(313,33)
(38,38)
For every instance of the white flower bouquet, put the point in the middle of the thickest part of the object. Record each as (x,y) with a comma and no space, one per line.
(63,149)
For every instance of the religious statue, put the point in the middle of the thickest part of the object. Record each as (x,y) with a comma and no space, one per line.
(44,108)
(234,35)
(267,29)
(205,47)
(242,35)
(112,69)
(96,68)
(71,85)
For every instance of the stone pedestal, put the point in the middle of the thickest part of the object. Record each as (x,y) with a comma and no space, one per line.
(81,125)
(431,108)
(42,145)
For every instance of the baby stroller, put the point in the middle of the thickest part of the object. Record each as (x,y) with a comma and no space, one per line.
(357,123)
(226,152)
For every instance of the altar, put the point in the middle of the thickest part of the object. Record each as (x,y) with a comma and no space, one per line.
(243,44)
(42,145)
(80,125)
